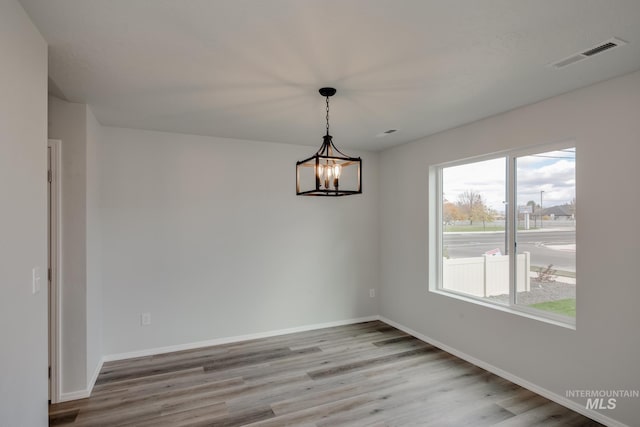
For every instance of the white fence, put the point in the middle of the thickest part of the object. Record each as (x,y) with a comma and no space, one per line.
(486,275)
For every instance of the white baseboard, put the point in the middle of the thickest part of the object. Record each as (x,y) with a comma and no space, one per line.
(82,394)
(559,399)
(229,340)
(74,395)
(94,377)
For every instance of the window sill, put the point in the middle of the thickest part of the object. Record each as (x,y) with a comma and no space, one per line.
(568,323)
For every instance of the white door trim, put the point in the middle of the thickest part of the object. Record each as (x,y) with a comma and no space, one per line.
(55,255)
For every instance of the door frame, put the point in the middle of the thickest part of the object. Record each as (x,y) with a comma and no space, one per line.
(54,150)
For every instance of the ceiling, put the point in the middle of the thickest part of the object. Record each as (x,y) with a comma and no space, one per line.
(250,69)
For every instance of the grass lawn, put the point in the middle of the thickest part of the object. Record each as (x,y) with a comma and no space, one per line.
(563,306)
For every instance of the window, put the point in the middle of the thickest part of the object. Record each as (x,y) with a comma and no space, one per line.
(504,231)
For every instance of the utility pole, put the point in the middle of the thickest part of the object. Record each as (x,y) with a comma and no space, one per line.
(541,193)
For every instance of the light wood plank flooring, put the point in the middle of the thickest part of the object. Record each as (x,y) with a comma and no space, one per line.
(367,374)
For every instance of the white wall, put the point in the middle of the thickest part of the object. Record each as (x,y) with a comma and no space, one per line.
(208,236)
(94,249)
(81,275)
(603,352)
(23,219)
(67,122)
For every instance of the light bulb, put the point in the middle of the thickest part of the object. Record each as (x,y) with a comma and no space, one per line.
(320,172)
(326,175)
(337,169)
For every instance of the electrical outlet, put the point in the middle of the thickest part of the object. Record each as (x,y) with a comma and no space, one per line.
(372,293)
(145,319)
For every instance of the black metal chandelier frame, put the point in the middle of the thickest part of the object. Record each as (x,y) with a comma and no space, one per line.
(328,163)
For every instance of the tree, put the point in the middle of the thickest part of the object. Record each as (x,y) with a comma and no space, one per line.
(473,208)
(468,202)
(450,212)
(485,215)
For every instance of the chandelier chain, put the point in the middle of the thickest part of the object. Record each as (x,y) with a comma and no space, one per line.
(327,115)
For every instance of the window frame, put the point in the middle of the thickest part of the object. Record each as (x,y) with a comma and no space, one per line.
(435,229)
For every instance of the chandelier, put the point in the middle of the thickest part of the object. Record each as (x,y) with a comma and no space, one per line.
(329,172)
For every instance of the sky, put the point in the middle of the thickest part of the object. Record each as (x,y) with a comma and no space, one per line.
(552,172)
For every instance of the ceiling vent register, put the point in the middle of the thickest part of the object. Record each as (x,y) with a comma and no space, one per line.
(592,51)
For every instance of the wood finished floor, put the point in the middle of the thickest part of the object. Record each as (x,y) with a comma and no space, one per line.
(367,374)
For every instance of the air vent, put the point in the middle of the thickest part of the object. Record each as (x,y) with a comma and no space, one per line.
(599,48)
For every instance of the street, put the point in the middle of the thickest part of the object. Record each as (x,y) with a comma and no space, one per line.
(552,246)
